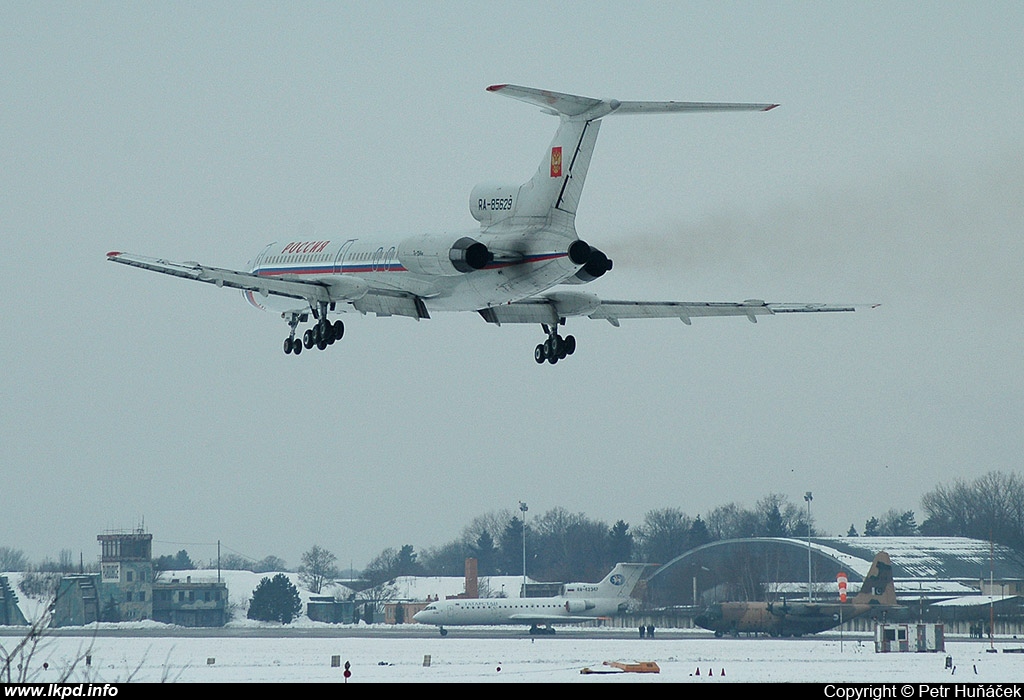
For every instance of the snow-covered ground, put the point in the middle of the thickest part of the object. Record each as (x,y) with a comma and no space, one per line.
(385,653)
(518,660)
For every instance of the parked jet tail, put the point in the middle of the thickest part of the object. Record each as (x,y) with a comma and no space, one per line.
(619,583)
(878,587)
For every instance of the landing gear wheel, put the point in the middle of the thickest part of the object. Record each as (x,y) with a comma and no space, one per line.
(555,347)
(307,338)
(339,330)
(563,350)
(570,344)
(287,346)
(444,632)
(297,346)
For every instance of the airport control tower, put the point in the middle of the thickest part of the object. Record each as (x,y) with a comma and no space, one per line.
(126,575)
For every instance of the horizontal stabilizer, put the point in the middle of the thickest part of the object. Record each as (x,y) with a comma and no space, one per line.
(590,108)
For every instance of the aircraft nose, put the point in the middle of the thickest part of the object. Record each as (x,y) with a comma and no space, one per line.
(421,616)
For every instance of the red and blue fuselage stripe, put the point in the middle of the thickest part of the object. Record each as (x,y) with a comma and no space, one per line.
(367,269)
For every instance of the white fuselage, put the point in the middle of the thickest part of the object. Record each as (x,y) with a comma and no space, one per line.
(510,611)
(529,261)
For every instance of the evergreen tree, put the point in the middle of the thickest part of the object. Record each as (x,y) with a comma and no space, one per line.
(179,562)
(620,543)
(871,527)
(275,600)
(699,533)
(511,547)
(486,554)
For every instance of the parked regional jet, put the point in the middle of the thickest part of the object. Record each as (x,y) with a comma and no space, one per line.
(877,595)
(579,602)
(519,266)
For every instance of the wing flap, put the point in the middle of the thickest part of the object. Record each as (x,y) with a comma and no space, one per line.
(392,304)
(550,310)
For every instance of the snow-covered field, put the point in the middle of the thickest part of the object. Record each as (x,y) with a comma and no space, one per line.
(384,653)
(517,660)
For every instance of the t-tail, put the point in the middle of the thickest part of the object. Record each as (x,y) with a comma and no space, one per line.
(619,583)
(878,587)
(552,195)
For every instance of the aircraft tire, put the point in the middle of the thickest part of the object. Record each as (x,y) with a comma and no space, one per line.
(307,338)
(297,346)
(570,344)
(539,354)
(287,346)
(339,329)
(444,632)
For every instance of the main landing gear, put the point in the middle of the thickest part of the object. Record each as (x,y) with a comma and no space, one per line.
(555,348)
(320,335)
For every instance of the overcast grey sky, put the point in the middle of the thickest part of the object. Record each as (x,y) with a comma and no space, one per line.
(891,173)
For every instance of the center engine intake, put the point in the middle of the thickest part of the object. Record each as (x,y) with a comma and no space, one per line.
(434,254)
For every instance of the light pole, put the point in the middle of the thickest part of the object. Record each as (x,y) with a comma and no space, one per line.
(810,590)
(523,508)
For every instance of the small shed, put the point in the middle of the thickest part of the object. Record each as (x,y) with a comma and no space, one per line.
(920,636)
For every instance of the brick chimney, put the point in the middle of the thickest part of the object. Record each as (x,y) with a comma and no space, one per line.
(472,584)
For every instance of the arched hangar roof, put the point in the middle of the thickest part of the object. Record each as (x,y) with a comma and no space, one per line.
(912,557)
(739,569)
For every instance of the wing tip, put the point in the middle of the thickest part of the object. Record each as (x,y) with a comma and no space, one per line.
(496,88)
(769,108)
(113,254)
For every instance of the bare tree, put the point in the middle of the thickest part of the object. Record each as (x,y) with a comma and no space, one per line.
(318,568)
(13,559)
(992,506)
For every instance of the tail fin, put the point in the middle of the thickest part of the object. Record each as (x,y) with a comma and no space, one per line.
(878,587)
(619,583)
(555,190)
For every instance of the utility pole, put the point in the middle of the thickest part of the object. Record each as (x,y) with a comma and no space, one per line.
(523,508)
(810,590)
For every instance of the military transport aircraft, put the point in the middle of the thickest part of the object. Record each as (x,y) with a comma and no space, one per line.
(877,595)
(519,266)
(579,602)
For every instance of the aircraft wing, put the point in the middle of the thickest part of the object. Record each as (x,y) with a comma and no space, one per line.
(335,289)
(552,307)
(525,619)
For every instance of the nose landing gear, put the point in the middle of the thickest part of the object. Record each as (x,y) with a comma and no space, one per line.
(555,348)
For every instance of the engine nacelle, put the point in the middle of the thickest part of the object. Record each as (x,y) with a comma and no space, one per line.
(439,254)
(595,264)
(491,203)
(577,605)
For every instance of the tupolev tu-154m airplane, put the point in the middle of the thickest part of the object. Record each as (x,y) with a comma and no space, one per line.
(520,266)
(578,602)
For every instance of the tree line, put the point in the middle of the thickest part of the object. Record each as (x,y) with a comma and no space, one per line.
(566,546)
